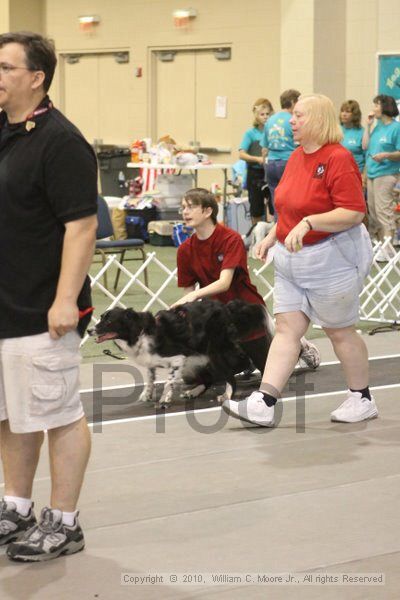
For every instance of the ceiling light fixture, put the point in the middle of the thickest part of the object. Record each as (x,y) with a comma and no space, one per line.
(182,16)
(87,22)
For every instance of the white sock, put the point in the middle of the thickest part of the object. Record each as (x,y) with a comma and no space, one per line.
(23,504)
(68,518)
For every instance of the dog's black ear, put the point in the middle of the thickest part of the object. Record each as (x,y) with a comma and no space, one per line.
(104,316)
(148,322)
(123,316)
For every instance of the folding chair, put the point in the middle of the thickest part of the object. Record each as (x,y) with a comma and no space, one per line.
(112,246)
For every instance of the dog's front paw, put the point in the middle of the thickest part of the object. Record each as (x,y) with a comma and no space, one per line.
(146,396)
(166,399)
(227,395)
(194,392)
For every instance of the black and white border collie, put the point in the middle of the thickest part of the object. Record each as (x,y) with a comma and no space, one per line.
(197,342)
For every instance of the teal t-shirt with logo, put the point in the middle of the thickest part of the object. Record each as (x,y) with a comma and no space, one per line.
(278,136)
(352,140)
(251,144)
(384,138)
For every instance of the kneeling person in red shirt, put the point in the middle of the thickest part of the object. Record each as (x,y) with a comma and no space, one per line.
(215,258)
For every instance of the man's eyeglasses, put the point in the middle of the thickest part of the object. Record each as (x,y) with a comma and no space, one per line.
(187,207)
(5,68)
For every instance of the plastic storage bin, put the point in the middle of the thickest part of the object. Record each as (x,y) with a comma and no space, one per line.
(160,233)
(238,215)
(169,214)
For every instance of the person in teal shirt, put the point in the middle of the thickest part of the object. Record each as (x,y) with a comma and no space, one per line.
(250,151)
(381,140)
(350,121)
(277,140)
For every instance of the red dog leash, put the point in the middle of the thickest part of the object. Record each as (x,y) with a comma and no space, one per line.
(86,311)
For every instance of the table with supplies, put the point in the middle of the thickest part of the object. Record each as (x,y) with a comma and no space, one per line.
(150,172)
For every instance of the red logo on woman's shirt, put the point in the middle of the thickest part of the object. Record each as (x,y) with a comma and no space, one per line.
(319,171)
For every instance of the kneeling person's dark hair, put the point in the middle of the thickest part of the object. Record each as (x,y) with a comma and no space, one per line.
(205,199)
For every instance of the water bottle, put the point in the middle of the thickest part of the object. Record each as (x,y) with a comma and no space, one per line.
(121,180)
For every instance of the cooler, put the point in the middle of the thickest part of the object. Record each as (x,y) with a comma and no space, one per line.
(160,232)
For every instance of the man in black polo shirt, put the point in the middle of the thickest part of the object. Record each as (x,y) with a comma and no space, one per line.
(48,205)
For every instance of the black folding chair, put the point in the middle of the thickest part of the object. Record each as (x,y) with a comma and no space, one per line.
(106,244)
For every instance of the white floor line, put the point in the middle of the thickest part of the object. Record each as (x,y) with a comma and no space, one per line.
(201,410)
(215,408)
(129,385)
(370,358)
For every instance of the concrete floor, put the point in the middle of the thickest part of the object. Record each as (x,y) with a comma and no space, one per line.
(191,494)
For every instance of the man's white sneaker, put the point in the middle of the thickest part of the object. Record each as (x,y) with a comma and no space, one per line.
(354,409)
(252,409)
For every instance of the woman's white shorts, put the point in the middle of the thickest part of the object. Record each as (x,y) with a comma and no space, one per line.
(324,280)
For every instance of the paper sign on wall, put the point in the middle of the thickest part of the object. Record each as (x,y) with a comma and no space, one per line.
(220,107)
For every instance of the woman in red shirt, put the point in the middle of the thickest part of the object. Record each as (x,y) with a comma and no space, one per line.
(322,254)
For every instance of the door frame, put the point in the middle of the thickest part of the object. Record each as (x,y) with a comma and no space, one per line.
(63,56)
(152,59)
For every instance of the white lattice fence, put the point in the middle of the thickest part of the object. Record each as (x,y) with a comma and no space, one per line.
(266,289)
(131,280)
(380,296)
(379,299)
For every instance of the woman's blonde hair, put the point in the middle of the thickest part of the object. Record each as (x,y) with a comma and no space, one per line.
(321,121)
(258,106)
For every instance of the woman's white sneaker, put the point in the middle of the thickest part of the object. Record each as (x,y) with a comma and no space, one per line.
(355,408)
(252,409)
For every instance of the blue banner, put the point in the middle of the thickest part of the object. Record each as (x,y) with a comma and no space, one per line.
(389,75)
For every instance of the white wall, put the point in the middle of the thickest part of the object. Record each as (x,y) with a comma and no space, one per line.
(372,26)
(313,45)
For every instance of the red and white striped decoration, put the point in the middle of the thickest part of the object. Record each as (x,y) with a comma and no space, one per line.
(149,177)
